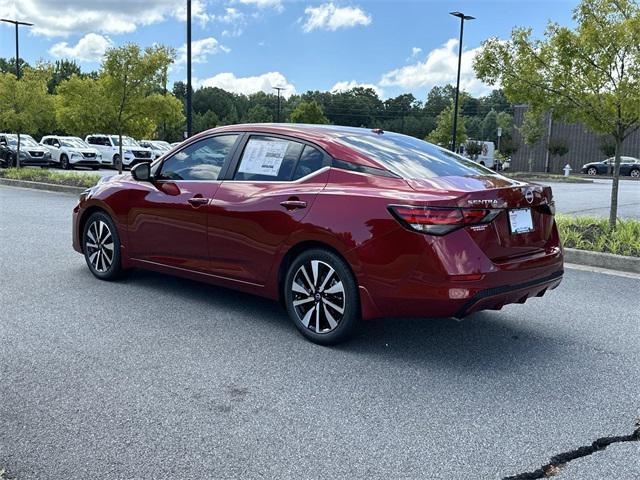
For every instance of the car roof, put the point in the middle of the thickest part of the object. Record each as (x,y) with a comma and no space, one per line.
(325,136)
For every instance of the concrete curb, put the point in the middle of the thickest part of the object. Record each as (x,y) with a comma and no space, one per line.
(602,260)
(50,187)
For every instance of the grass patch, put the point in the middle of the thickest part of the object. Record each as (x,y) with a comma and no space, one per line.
(549,177)
(588,233)
(51,176)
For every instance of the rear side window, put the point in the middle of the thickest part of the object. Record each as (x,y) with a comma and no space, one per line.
(311,160)
(201,160)
(409,157)
(268,159)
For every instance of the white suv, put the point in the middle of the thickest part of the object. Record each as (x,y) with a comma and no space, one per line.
(71,152)
(108,146)
(158,147)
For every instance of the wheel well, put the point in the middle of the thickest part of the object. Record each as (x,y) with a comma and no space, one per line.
(296,250)
(85,216)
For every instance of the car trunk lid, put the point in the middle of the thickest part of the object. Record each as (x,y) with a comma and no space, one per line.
(498,239)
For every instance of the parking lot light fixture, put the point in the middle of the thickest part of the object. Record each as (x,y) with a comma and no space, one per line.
(17,23)
(279,89)
(189,116)
(462,18)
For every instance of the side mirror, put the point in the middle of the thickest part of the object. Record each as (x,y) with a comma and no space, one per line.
(141,172)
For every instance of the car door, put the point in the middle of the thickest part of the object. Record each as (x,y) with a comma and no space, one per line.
(53,145)
(168,216)
(5,153)
(271,187)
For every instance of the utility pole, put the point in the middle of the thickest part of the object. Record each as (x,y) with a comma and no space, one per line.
(189,118)
(462,18)
(17,24)
(279,89)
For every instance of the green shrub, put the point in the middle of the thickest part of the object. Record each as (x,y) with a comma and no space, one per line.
(51,176)
(588,233)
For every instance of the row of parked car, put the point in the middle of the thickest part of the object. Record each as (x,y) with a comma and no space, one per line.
(67,152)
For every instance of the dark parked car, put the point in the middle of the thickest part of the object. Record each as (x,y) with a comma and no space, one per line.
(31,152)
(628,166)
(339,223)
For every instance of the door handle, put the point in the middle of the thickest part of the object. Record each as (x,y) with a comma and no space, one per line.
(198,201)
(293,204)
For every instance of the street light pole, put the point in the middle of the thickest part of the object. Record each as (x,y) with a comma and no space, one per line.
(279,89)
(189,118)
(462,18)
(17,24)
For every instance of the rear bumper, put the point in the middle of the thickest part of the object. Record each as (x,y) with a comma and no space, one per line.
(495,298)
(449,276)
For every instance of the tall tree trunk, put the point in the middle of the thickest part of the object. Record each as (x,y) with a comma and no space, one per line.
(18,151)
(613,213)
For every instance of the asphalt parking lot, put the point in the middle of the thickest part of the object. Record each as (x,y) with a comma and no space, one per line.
(594,199)
(158,377)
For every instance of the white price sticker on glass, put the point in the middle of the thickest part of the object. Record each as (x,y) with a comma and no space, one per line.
(263,157)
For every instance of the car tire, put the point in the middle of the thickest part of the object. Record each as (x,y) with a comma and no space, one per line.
(635,173)
(592,171)
(101,247)
(321,297)
(116,161)
(64,162)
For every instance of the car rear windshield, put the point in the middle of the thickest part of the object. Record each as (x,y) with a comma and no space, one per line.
(409,157)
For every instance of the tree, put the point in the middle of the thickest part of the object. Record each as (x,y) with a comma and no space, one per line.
(473,149)
(474,127)
(607,146)
(589,75)
(490,126)
(130,77)
(532,130)
(308,112)
(259,114)
(558,147)
(444,128)
(80,106)
(25,105)
(62,70)
(205,121)
(8,65)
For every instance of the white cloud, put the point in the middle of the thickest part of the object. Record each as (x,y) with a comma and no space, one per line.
(198,11)
(415,51)
(247,85)
(200,50)
(89,48)
(439,68)
(348,85)
(230,15)
(56,18)
(329,17)
(275,4)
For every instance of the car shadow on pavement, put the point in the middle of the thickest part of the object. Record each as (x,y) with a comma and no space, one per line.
(489,341)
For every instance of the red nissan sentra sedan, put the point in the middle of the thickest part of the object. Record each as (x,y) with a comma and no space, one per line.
(339,223)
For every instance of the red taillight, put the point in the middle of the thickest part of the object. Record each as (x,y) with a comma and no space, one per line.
(440,220)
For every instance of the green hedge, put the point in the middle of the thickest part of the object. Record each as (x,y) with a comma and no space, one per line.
(588,233)
(51,176)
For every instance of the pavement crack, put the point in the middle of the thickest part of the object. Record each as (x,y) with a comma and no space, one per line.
(557,462)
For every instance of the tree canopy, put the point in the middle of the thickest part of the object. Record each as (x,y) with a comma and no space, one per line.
(590,74)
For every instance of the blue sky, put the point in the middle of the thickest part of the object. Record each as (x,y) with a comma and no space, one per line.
(250,45)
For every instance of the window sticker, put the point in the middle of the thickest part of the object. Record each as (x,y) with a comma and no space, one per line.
(262,157)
